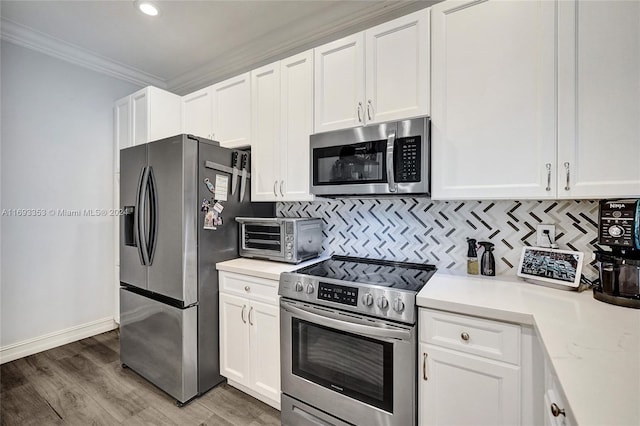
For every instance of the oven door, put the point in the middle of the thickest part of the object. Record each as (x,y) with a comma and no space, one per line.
(262,239)
(358,369)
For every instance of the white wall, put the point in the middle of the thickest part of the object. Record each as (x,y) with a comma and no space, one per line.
(57,131)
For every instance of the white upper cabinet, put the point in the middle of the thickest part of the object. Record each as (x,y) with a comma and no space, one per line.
(155,114)
(122,128)
(598,99)
(378,75)
(232,112)
(296,116)
(282,121)
(265,122)
(397,68)
(339,84)
(197,113)
(493,100)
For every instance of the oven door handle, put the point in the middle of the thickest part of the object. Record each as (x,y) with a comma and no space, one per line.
(350,324)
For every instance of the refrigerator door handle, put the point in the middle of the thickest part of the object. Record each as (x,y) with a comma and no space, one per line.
(142,213)
(136,216)
(153,216)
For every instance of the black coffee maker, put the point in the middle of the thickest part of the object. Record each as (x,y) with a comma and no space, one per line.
(619,228)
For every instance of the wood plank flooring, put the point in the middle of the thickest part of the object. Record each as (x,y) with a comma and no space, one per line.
(82,383)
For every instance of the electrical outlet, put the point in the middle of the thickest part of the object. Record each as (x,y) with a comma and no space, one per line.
(541,238)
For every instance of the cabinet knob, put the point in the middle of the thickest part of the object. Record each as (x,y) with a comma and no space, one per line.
(464,336)
(247,288)
(556,411)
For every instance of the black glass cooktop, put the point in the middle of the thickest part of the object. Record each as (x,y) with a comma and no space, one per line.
(399,275)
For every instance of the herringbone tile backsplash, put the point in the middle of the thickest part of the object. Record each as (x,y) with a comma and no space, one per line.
(422,230)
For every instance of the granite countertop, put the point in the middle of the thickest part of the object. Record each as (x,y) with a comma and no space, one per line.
(594,347)
(262,268)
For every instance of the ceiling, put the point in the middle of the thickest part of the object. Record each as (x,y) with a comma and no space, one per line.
(191,43)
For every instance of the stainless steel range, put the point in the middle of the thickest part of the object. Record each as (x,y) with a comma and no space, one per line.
(349,342)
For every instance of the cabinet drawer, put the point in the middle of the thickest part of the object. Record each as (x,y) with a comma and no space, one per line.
(486,338)
(250,287)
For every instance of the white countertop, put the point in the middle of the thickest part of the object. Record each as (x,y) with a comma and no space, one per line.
(262,268)
(594,347)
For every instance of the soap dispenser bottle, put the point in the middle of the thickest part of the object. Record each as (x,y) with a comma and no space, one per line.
(472,258)
(488,262)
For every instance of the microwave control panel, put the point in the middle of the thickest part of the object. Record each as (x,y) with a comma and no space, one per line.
(618,225)
(408,155)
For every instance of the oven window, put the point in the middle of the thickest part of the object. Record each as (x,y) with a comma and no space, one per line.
(355,366)
(363,162)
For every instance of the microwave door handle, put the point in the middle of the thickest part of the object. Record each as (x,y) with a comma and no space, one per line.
(344,323)
(391,173)
(142,209)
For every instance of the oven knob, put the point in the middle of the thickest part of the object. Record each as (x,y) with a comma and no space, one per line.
(383,303)
(309,288)
(298,286)
(289,246)
(367,299)
(616,231)
(398,305)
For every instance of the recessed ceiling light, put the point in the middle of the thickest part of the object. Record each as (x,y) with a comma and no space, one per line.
(148,8)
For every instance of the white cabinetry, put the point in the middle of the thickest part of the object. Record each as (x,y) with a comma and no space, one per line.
(501,129)
(197,113)
(232,111)
(374,76)
(493,100)
(282,121)
(556,411)
(469,371)
(598,99)
(250,335)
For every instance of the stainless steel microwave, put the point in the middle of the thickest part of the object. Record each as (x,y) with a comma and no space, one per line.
(284,239)
(383,159)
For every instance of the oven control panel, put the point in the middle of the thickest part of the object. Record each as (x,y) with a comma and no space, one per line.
(338,293)
(365,299)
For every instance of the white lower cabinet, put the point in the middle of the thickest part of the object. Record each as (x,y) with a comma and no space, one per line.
(469,371)
(250,335)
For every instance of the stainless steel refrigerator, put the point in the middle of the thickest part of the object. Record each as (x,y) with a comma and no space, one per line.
(169,246)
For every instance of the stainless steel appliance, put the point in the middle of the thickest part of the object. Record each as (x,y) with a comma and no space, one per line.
(619,228)
(348,339)
(384,159)
(289,240)
(169,284)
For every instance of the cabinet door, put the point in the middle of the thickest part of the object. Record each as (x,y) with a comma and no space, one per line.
(296,101)
(462,389)
(264,323)
(339,84)
(234,338)
(197,113)
(122,128)
(140,117)
(164,114)
(232,112)
(265,128)
(493,100)
(598,99)
(397,68)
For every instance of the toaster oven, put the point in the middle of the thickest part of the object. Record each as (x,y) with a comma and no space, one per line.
(290,240)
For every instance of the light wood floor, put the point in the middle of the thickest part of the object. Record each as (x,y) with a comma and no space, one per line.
(82,383)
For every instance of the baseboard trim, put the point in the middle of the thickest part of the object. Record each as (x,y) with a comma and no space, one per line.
(55,339)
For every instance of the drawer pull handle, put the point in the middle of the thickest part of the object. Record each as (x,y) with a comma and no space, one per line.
(247,288)
(424,366)
(465,336)
(556,411)
(242,313)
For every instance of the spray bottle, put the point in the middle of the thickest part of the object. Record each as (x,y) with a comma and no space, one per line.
(488,262)
(472,257)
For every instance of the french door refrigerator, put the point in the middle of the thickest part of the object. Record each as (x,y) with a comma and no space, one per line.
(168,252)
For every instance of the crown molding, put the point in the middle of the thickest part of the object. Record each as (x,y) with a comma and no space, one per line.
(267,50)
(27,37)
